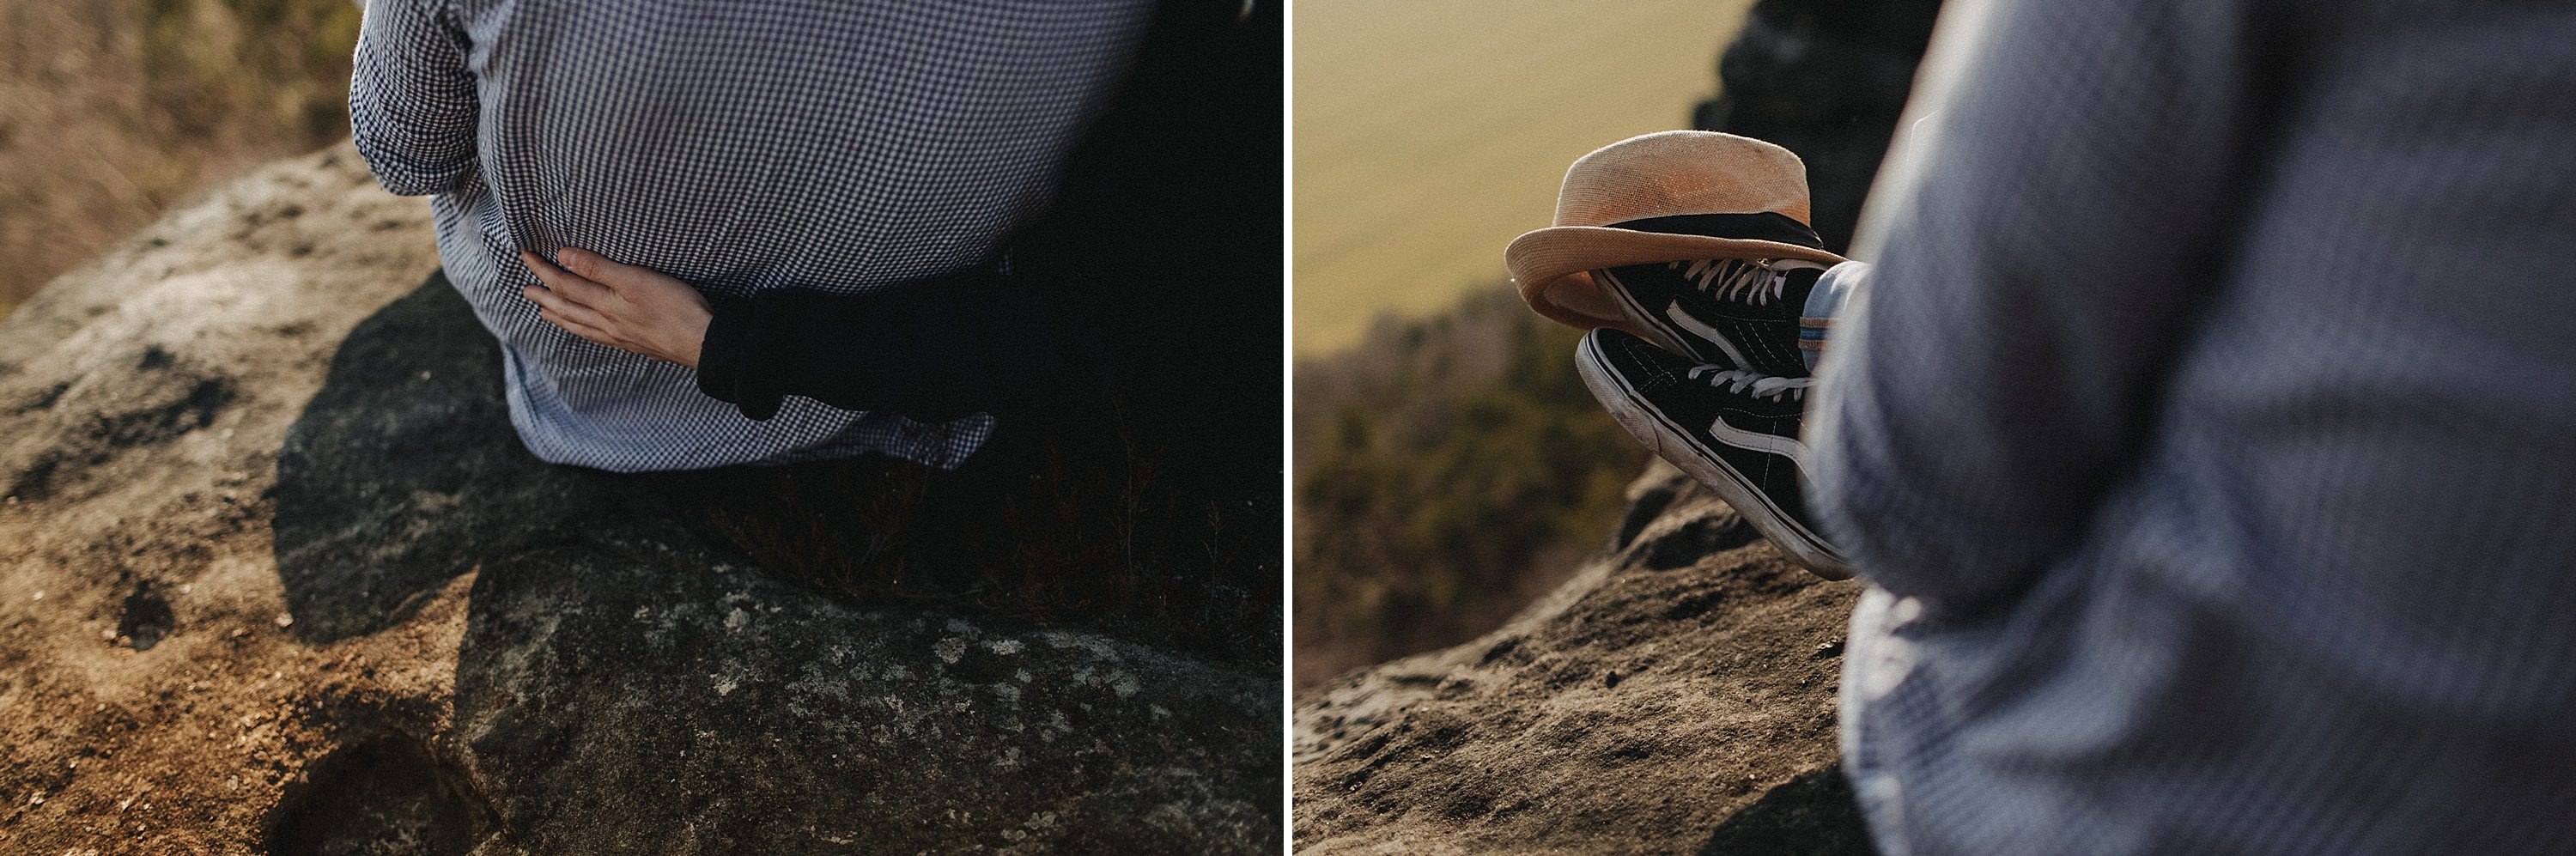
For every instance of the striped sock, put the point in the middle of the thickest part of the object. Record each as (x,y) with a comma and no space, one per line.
(1816,322)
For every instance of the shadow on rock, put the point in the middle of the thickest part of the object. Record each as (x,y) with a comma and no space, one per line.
(626,683)
(1812,815)
(403,472)
(387,795)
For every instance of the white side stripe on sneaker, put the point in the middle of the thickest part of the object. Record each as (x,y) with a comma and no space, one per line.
(1760,442)
(1686,322)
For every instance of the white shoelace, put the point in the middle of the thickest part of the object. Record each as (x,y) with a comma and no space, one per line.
(1751,383)
(1743,280)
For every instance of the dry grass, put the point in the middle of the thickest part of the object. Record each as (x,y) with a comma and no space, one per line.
(1449,470)
(112,111)
(1428,133)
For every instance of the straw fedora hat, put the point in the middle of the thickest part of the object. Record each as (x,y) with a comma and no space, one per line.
(1663,197)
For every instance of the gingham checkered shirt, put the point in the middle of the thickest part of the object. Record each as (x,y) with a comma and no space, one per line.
(2208,430)
(823,144)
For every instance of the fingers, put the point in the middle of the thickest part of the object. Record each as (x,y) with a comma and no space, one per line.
(634,282)
(561,301)
(564,282)
(583,330)
(563,307)
(593,265)
(687,357)
(619,305)
(591,333)
(592,330)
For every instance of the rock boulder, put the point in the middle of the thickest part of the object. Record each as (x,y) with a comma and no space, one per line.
(1675,696)
(275,576)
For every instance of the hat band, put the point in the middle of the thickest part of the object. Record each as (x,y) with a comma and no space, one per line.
(1762,226)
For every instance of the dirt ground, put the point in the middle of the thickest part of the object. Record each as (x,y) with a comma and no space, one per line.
(156,699)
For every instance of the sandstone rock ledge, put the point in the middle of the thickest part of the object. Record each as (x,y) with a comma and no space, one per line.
(1676,696)
(276,577)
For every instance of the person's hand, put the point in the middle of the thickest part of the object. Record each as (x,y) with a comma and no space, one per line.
(620,305)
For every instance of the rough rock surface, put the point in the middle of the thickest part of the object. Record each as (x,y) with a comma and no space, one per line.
(276,577)
(1675,696)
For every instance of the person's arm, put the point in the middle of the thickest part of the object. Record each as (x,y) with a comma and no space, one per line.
(932,349)
(412,105)
(2038,255)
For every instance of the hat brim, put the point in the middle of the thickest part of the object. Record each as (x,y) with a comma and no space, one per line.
(1549,265)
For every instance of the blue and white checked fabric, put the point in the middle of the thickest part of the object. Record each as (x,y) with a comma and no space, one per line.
(2208,430)
(827,144)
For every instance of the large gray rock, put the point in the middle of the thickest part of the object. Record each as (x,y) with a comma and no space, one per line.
(275,576)
(1675,696)
(1826,79)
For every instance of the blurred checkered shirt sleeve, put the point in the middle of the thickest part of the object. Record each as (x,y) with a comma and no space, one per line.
(2207,429)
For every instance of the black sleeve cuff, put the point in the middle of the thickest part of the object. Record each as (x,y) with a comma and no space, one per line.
(725,357)
(933,349)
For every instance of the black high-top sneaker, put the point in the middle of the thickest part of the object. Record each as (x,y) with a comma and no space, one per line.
(1742,312)
(1733,430)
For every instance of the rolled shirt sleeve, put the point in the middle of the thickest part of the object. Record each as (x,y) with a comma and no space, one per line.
(412,103)
(2036,240)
